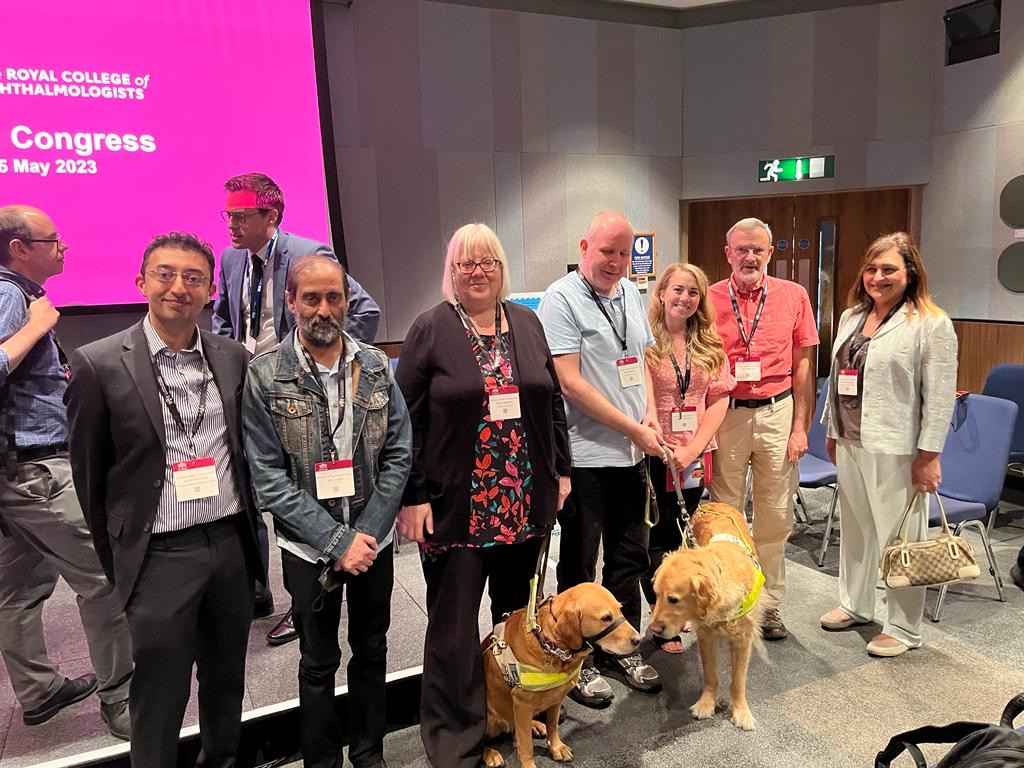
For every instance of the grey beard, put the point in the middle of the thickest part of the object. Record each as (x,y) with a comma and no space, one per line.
(319,331)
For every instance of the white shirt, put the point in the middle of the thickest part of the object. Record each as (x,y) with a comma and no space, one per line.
(266,336)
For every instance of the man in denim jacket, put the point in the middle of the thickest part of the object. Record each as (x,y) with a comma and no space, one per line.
(329,444)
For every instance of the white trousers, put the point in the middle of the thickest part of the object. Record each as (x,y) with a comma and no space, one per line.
(874,490)
(759,438)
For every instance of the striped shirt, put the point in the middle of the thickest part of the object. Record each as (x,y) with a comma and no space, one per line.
(183,374)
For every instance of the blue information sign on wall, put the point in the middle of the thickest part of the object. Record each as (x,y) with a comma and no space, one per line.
(641,262)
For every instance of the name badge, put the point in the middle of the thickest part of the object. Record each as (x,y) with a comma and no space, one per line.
(684,419)
(748,369)
(250,344)
(847,384)
(630,372)
(195,479)
(691,477)
(334,479)
(503,403)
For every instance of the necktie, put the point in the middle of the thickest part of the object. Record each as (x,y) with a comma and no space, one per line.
(255,295)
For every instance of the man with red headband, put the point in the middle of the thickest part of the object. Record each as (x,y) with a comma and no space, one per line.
(251,307)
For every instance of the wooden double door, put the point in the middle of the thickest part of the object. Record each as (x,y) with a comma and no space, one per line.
(819,241)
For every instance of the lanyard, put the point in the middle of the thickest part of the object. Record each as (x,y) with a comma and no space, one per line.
(165,393)
(315,370)
(855,345)
(757,315)
(600,305)
(684,383)
(256,290)
(485,355)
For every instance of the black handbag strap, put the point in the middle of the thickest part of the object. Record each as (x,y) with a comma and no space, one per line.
(1013,708)
(929,734)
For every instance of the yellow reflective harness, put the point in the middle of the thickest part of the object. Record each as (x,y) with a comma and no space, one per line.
(521,675)
(751,597)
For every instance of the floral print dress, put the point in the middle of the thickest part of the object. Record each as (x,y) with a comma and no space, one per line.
(502,474)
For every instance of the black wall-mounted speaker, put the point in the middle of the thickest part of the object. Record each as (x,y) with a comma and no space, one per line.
(972,30)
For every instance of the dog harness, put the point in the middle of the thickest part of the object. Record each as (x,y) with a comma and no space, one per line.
(751,597)
(526,676)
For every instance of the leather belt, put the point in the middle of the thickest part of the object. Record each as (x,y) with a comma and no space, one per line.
(37,452)
(737,403)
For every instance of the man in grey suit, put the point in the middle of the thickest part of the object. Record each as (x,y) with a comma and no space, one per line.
(251,306)
(157,457)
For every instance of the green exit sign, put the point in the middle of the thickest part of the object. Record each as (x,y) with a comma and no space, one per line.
(796,169)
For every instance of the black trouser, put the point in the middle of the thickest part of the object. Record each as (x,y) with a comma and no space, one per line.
(192,603)
(453,703)
(666,536)
(606,504)
(317,616)
(262,592)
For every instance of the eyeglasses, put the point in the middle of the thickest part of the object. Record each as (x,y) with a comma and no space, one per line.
(468,267)
(55,239)
(191,279)
(237,217)
(743,251)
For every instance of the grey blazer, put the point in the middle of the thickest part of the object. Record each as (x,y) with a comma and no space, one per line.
(909,383)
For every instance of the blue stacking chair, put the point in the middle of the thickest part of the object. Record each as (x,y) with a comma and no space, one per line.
(1007,382)
(973,472)
(817,469)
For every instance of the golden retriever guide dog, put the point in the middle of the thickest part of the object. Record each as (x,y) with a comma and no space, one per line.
(714,585)
(528,673)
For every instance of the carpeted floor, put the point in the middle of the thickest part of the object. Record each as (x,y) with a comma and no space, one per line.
(819,700)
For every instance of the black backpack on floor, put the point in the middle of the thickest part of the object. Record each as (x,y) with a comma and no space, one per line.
(977,745)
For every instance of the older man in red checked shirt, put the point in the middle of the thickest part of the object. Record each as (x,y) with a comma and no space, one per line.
(769,332)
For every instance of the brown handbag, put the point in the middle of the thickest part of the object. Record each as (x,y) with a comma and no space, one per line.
(941,560)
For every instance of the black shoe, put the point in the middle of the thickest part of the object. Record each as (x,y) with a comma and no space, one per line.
(284,632)
(263,608)
(118,721)
(591,690)
(71,692)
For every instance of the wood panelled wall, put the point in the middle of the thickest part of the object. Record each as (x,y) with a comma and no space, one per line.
(983,345)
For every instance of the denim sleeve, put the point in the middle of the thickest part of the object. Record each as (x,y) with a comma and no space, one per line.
(394,462)
(300,515)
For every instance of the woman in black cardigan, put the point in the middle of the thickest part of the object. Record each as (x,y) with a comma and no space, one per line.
(490,469)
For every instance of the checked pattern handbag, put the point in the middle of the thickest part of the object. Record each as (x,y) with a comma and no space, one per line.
(941,560)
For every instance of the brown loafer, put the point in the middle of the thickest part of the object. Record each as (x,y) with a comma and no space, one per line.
(284,632)
(772,627)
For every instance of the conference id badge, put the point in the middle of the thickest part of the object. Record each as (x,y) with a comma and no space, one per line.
(250,345)
(847,384)
(748,369)
(684,419)
(503,403)
(334,479)
(195,479)
(630,372)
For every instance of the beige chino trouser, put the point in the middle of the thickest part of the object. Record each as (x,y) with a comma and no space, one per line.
(759,438)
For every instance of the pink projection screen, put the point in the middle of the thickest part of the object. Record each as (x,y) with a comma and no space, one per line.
(122,119)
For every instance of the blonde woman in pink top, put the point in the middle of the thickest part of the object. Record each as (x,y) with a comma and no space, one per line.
(688,383)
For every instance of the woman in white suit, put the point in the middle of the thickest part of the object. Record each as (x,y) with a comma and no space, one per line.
(892,389)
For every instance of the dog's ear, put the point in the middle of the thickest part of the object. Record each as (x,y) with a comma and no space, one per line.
(705,594)
(567,616)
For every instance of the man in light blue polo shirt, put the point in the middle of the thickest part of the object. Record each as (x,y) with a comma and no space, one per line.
(596,326)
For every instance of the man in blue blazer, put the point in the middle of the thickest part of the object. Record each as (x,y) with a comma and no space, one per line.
(250,306)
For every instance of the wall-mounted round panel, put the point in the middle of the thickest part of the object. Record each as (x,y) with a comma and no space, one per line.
(1011,268)
(1011,203)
